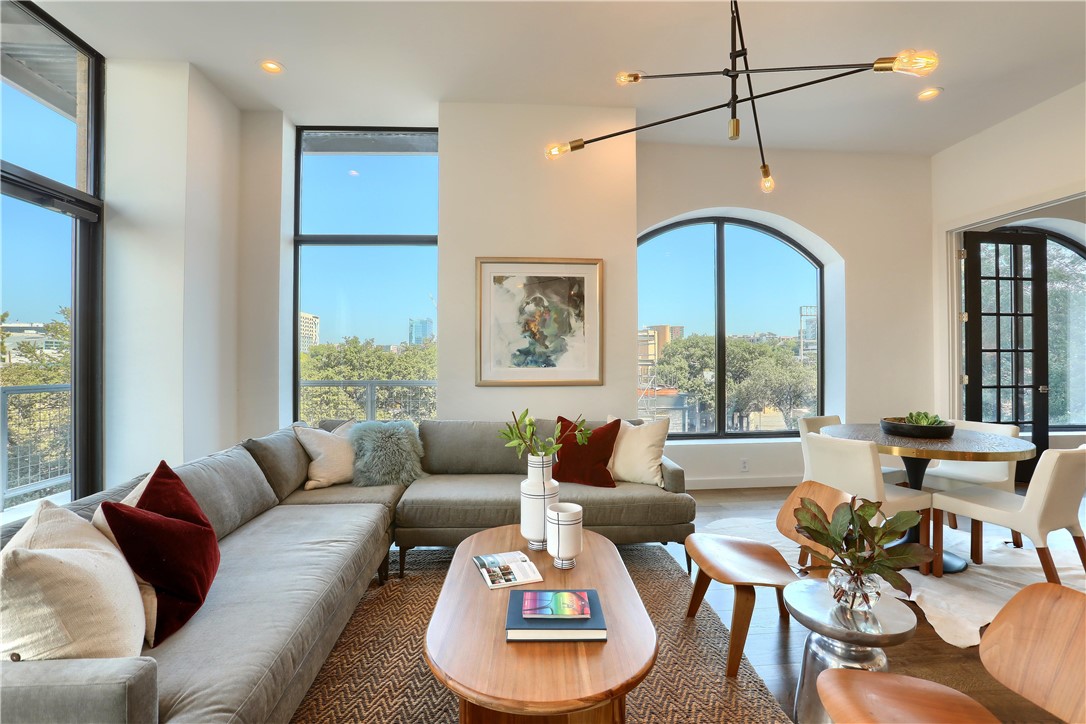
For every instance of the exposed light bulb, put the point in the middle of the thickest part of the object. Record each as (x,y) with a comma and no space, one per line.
(557,149)
(627,77)
(928,93)
(919,63)
(271,66)
(767,180)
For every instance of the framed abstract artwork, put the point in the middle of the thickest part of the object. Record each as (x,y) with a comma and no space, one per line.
(540,321)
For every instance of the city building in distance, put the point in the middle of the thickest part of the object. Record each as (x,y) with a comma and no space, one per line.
(420,331)
(309,331)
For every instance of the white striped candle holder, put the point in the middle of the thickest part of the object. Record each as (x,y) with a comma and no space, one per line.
(565,536)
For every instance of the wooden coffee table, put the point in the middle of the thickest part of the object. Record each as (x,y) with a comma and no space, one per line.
(538,681)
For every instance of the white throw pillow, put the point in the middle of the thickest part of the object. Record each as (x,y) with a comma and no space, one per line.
(66,592)
(331,455)
(638,450)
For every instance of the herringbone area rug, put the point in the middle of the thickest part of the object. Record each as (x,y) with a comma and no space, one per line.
(376,671)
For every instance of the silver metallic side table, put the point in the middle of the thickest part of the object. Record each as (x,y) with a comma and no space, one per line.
(841,638)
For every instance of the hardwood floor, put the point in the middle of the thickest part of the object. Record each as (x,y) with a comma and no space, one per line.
(775,646)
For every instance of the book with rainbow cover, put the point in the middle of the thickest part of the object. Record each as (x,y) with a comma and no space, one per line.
(519,628)
(555,604)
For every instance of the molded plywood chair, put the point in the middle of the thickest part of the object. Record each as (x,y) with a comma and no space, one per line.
(744,564)
(1051,502)
(890,475)
(952,475)
(1033,647)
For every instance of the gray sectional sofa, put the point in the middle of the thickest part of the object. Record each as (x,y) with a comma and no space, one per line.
(294,564)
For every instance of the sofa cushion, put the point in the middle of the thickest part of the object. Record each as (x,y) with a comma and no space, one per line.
(282,576)
(66,592)
(282,459)
(386,495)
(331,455)
(84,507)
(586,464)
(386,453)
(465,446)
(638,451)
(485,501)
(229,487)
(170,545)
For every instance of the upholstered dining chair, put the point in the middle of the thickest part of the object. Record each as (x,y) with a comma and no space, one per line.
(958,474)
(1033,647)
(745,564)
(890,475)
(853,466)
(1051,502)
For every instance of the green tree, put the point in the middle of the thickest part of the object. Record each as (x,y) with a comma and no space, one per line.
(690,365)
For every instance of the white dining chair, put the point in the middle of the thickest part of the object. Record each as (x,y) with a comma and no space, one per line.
(1051,502)
(890,475)
(852,466)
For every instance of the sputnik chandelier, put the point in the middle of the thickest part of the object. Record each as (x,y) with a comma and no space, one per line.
(909,62)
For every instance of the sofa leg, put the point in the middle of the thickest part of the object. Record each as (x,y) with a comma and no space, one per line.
(689,564)
(403,557)
(382,570)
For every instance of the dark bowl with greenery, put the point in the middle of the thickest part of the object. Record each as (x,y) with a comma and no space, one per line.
(919,425)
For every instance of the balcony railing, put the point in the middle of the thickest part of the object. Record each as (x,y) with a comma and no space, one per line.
(368,400)
(35,442)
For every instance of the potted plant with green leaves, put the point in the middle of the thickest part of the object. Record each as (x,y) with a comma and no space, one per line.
(861,549)
(539,490)
(918,424)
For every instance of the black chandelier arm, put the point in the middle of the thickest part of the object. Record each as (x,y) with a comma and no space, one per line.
(727,72)
(750,83)
(803,85)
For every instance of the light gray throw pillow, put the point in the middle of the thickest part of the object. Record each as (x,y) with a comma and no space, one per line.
(386,453)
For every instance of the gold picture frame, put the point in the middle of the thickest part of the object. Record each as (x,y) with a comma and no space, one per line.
(539,321)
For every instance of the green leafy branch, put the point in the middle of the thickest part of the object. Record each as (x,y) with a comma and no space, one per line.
(522,435)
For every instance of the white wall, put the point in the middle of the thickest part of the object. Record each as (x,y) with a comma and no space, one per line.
(874,211)
(171,199)
(265,274)
(1029,160)
(499,196)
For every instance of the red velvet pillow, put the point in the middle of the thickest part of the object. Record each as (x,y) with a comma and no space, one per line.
(170,544)
(586,464)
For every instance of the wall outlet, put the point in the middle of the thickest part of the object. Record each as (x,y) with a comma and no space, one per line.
(744,465)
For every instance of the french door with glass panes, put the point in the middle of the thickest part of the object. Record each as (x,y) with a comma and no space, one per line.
(1006,334)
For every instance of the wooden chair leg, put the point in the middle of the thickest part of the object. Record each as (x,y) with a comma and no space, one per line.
(1016,539)
(781,609)
(1048,565)
(689,564)
(741,613)
(701,583)
(937,542)
(1080,546)
(976,541)
(925,538)
(952,520)
(803,556)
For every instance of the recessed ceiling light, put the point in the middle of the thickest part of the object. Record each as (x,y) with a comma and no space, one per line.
(928,93)
(271,66)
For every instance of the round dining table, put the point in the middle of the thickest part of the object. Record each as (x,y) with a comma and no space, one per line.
(917,453)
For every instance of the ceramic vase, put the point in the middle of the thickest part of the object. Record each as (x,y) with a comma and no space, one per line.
(565,537)
(537,492)
(859,594)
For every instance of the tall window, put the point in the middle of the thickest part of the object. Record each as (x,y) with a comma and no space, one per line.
(729,338)
(366,274)
(50,256)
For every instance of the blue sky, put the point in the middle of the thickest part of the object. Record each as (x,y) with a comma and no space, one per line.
(371,292)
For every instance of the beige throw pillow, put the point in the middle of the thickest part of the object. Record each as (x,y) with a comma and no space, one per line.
(331,455)
(66,592)
(638,450)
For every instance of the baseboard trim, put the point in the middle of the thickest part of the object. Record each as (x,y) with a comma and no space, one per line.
(742,481)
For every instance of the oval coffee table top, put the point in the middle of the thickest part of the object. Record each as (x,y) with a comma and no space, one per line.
(890,622)
(963,445)
(467,651)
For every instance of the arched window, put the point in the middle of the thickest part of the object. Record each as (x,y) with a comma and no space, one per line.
(729,329)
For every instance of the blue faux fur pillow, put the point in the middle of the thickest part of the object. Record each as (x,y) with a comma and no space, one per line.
(386,453)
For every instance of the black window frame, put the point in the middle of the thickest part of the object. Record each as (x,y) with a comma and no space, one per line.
(720,222)
(1068,243)
(86,210)
(302,240)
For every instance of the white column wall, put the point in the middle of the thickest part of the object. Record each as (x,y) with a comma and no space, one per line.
(499,196)
(265,274)
(171,197)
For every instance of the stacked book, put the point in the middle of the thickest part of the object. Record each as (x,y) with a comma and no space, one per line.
(555,616)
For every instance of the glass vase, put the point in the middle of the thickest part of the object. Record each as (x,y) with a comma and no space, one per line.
(858,592)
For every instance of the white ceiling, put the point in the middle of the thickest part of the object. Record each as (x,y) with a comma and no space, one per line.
(392,63)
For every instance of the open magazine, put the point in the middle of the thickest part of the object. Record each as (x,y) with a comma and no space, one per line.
(507,569)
